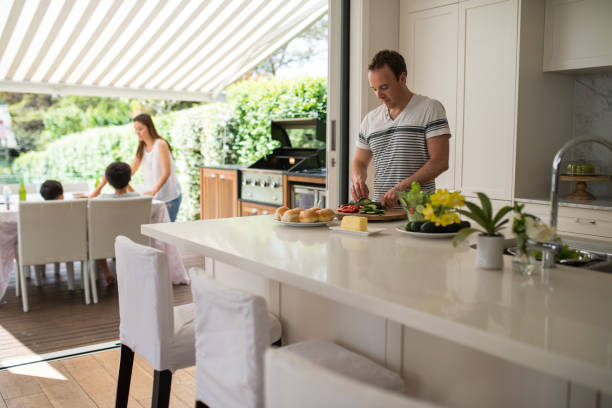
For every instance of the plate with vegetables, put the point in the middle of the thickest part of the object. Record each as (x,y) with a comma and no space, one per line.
(429,230)
(373,211)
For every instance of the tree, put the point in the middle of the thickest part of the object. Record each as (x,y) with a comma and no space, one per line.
(300,49)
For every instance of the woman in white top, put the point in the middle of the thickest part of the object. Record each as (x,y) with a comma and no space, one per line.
(155,157)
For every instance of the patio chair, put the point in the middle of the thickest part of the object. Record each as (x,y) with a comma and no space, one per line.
(233,330)
(109,218)
(49,232)
(30,188)
(299,380)
(79,187)
(149,324)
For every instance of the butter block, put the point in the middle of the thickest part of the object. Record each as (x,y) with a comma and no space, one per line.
(352,222)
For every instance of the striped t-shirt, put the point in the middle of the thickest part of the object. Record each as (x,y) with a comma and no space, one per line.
(399,146)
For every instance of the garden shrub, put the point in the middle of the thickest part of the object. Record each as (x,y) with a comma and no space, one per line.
(236,131)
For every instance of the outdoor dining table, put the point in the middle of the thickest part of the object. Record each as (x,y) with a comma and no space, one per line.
(8,240)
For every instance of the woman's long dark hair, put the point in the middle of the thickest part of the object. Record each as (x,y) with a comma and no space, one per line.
(148,122)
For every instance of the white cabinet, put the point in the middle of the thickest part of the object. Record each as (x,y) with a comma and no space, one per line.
(578,34)
(486,101)
(428,41)
(464,55)
(576,221)
(409,6)
(483,60)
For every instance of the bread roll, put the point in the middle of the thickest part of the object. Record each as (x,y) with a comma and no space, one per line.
(292,215)
(279,212)
(309,216)
(326,215)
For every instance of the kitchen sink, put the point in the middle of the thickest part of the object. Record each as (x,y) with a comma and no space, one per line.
(595,260)
(603,266)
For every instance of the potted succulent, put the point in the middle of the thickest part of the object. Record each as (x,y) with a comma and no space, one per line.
(490,244)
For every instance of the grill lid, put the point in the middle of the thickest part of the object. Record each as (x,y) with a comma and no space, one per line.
(288,158)
(314,125)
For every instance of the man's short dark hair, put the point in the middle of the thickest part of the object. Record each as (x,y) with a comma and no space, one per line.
(118,174)
(51,189)
(392,59)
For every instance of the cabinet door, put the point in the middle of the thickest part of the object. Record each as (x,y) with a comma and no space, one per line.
(208,198)
(419,5)
(227,194)
(577,34)
(428,40)
(487,97)
(248,209)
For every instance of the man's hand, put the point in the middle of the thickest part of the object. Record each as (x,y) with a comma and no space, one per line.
(359,189)
(151,193)
(390,200)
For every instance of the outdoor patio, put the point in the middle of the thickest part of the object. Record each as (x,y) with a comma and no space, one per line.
(59,319)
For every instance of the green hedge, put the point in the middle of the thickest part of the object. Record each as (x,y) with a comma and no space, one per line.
(236,131)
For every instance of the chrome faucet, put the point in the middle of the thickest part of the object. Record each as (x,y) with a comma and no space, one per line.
(549,249)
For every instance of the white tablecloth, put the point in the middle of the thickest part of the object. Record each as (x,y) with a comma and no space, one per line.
(8,243)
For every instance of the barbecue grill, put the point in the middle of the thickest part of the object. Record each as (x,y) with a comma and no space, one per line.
(263,180)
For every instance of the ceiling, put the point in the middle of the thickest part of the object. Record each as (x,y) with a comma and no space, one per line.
(167,49)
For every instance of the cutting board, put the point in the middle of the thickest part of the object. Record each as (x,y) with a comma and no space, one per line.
(390,215)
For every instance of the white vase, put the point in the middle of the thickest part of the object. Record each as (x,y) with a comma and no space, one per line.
(490,252)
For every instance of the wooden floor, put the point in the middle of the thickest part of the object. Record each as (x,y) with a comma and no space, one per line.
(87,381)
(59,319)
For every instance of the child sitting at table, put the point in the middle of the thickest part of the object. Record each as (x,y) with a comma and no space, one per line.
(52,190)
(118,175)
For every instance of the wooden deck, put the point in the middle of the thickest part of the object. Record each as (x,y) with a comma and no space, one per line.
(59,319)
(87,381)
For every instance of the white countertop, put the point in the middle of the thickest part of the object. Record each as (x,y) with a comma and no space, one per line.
(562,327)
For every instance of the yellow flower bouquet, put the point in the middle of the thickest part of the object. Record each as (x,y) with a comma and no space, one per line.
(441,209)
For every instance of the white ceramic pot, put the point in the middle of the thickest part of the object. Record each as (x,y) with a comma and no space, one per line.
(490,252)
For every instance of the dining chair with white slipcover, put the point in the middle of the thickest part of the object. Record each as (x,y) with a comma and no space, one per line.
(300,380)
(76,187)
(149,324)
(233,329)
(52,231)
(109,218)
(30,188)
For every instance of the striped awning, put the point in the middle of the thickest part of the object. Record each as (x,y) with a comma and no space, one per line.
(169,49)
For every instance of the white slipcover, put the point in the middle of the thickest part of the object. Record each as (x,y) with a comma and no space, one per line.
(52,231)
(149,325)
(233,330)
(324,375)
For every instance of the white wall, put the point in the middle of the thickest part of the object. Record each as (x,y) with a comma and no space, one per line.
(593,117)
(374,26)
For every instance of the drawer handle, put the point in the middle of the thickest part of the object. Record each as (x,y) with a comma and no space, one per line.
(222,176)
(580,220)
(213,176)
(265,212)
(254,211)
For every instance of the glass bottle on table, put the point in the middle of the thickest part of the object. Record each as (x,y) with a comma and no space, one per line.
(6,191)
(22,191)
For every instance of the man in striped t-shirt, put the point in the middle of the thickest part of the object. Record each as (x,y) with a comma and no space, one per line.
(407,135)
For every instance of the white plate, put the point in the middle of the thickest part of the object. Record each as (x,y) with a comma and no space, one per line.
(370,231)
(429,235)
(302,224)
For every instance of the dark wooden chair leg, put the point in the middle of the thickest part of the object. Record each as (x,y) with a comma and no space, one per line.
(125,375)
(200,404)
(162,380)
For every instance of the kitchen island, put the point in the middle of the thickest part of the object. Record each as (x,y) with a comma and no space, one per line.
(459,335)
